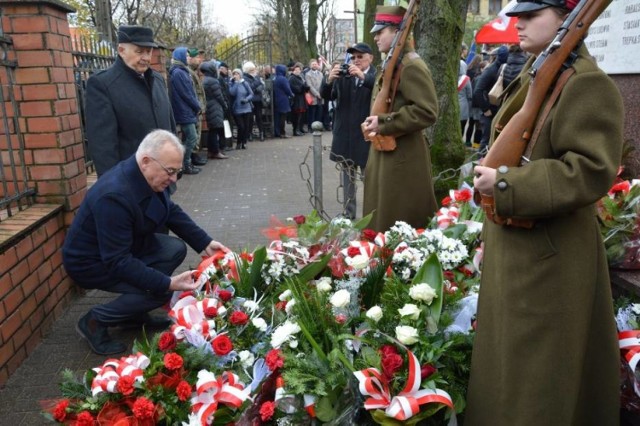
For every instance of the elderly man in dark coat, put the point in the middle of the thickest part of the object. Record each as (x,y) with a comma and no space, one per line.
(126,101)
(397,184)
(114,243)
(351,93)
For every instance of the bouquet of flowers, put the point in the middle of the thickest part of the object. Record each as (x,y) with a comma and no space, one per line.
(620,223)
(331,323)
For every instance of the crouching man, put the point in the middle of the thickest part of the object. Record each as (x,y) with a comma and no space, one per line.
(115,244)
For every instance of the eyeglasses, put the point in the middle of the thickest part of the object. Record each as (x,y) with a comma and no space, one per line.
(170,170)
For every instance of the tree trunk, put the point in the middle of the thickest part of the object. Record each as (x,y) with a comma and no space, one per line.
(438,33)
(369,18)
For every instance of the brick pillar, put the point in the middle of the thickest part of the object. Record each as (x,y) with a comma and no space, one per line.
(46,97)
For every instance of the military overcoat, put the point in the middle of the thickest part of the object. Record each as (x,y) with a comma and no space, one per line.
(546,351)
(397,184)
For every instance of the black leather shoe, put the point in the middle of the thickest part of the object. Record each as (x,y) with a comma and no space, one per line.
(190,170)
(97,336)
(198,161)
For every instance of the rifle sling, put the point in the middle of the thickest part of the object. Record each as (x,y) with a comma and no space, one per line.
(562,80)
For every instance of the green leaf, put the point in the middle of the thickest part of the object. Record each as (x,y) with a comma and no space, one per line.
(431,273)
(362,223)
(312,270)
(325,411)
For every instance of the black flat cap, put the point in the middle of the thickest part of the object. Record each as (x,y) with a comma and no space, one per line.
(135,34)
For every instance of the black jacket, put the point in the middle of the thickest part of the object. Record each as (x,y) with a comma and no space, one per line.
(216,103)
(514,65)
(257,86)
(298,87)
(352,106)
(121,108)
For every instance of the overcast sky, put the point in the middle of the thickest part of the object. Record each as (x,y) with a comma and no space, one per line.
(236,15)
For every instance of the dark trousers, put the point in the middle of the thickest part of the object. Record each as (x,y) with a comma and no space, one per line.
(214,137)
(279,120)
(474,130)
(314,113)
(486,131)
(243,121)
(165,255)
(256,118)
(296,121)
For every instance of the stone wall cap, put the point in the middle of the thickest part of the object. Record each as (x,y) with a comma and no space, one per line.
(55,3)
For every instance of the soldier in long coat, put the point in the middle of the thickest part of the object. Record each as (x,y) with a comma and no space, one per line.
(546,351)
(397,184)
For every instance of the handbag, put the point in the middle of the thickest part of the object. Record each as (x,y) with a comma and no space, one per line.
(309,98)
(497,89)
(379,142)
(227,129)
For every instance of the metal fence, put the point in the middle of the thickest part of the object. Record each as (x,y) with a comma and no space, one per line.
(15,192)
(89,55)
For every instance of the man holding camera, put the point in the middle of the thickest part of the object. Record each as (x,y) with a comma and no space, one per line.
(349,86)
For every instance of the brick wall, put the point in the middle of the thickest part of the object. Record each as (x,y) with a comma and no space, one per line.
(34,289)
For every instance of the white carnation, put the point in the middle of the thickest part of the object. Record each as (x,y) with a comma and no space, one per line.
(286,295)
(259,323)
(250,305)
(323,285)
(246,358)
(284,333)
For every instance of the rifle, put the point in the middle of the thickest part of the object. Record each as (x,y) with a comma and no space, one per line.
(391,74)
(510,145)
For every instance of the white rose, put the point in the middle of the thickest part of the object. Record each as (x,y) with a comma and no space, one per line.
(286,295)
(259,323)
(323,285)
(357,262)
(375,313)
(246,358)
(423,292)
(340,298)
(410,310)
(406,335)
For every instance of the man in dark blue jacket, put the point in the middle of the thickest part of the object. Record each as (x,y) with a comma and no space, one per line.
(126,101)
(114,243)
(186,107)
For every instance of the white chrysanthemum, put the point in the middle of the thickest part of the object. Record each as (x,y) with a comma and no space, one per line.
(374,313)
(259,323)
(406,335)
(422,292)
(246,359)
(409,310)
(250,305)
(340,298)
(323,285)
(284,333)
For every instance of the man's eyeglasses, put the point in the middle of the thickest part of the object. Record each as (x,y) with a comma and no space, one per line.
(170,170)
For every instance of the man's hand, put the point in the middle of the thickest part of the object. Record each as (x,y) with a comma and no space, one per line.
(487,113)
(334,73)
(371,124)
(485,178)
(184,282)
(214,246)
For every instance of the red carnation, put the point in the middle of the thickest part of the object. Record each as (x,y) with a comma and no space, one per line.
(448,275)
(266,410)
(60,410)
(353,251)
(391,364)
(143,408)
(387,350)
(426,371)
(222,345)
(464,195)
(85,419)
(225,295)
(274,360)
(211,312)
(238,318)
(167,341)
(183,390)
(173,361)
(300,219)
(446,201)
(281,305)
(623,187)
(369,234)
(125,385)
(246,256)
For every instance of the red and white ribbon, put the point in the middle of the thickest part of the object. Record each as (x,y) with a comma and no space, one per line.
(407,403)
(447,216)
(108,374)
(285,401)
(188,314)
(225,389)
(380,239)
(629,342)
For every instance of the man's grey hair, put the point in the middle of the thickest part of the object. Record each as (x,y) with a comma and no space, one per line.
(153,143)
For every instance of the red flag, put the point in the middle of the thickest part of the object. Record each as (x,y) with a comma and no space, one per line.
(500,30)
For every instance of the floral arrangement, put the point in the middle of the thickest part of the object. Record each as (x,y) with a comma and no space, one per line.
(331,323)
(620,224)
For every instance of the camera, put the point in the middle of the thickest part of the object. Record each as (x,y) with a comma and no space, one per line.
(344,71)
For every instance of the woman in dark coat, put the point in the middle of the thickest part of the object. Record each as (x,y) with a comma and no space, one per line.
(281,106)
(546,348)
(298,104)
(216,106)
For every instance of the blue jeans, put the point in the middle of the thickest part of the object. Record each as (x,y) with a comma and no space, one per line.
(189,140)
(165,255)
